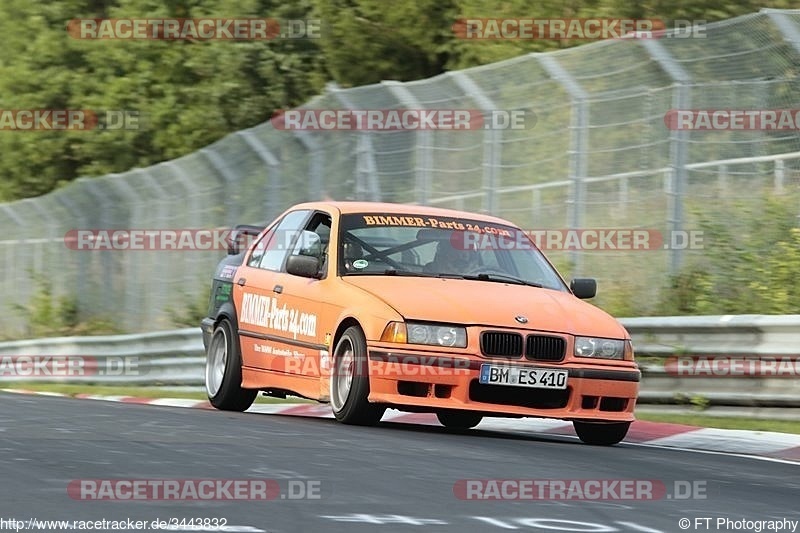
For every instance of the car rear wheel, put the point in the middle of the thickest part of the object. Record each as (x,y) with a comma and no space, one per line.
(350,381)
(602,434)
(459,419)
(224,372)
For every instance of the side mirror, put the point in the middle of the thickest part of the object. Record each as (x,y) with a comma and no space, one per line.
(583,288)
(306,266)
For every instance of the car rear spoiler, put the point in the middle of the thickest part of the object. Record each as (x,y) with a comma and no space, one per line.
(241,236)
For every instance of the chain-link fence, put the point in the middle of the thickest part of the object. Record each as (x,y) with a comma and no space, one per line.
(599,156)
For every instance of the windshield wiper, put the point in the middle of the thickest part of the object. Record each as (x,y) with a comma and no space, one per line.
(390,272)
(502,278)
(410,273)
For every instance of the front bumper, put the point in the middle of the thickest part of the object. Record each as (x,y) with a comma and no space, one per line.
(433,381)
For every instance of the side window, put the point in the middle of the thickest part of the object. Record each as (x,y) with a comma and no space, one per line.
(315,239)
(320,224)
(260,248)
(281,240)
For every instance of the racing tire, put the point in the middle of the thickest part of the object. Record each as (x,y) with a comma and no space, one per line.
(459,419)
(350,381)
(601,434)
(224,372)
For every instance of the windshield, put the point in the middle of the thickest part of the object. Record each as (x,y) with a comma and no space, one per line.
(413,244)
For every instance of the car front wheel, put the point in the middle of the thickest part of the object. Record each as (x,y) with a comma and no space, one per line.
(350,381)
(224,372)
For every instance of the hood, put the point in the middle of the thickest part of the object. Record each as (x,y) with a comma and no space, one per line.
(489,303)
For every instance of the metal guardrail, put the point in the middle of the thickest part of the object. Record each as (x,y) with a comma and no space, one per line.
(176,358)
(739,336)
(160,358)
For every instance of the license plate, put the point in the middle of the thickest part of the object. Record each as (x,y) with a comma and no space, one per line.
(519,376)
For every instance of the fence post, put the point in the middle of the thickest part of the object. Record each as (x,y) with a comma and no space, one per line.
(788,29)
(10,265)
(578,150)
(623,196)
(722,181)
(780,175)
(536,202)
(157,270)
(272,201)
(105,257)
(492,140)
(424,159)
(133,300)
(37,256)
(678,142)
(791,34)
(222,169)
(190,267)
(366,168)
(81,218)
(316,163)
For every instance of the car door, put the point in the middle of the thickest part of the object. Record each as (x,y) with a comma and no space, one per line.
(307,306)
(258,302)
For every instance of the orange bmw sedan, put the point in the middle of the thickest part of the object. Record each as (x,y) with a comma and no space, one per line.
(371,305)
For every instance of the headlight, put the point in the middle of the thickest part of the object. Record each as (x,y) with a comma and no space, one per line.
(431,334)
(599,348)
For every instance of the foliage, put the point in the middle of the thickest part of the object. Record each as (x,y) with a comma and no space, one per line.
(191,93)
(48,315)
(194,309)
(188,93)
(749,265)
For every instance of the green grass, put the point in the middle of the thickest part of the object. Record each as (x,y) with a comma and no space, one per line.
(72,389)
(710,421)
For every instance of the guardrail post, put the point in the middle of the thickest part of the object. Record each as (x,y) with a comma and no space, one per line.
(492,140)
(424,159)
(678,142)
(578,150)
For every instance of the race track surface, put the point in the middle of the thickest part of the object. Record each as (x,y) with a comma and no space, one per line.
(393,477)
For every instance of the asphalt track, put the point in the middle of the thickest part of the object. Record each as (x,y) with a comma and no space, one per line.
(393,477)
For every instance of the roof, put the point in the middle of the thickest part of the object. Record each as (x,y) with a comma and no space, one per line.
(410,209)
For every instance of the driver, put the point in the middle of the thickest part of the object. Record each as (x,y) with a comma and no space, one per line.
(351,252)
(449,260)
